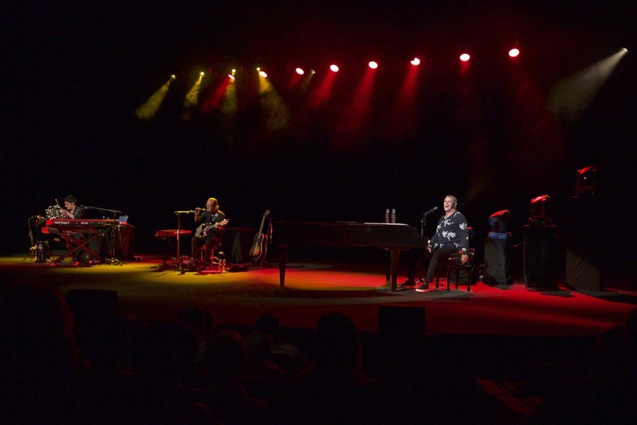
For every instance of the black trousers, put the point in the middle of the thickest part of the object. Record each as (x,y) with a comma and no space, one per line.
(418,255)
(210,242)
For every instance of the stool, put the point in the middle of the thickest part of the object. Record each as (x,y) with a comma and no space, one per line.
(217,264)
(453,266)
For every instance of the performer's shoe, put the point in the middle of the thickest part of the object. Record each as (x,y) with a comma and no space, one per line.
(424,287)
(408,284)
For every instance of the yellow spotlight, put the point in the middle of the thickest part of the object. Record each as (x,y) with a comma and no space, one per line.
(234,71)
(231,77)
(172,77)
(263,74)
(201,73)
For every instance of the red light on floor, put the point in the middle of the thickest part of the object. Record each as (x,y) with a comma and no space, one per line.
(415,61)
(373,65)
(334,68)
(465,57)
(514,53)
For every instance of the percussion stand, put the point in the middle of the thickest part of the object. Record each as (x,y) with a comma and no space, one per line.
(32,246)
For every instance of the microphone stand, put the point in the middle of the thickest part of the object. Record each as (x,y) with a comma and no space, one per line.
(423,223)
(179,259)
(114,212)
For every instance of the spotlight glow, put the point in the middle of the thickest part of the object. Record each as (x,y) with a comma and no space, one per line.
(334,68)
(231,77)
(300,71)
(373,64)
(415,61)
(465,57)
(514,53)
(173,77)
(201,73)
(263,74)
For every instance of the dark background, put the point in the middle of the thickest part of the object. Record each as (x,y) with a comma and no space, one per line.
(75,74)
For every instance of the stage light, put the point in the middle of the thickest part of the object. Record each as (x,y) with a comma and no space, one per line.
(415,61)
(234,71)
(312,71)
(173,77)
(300,71)
(586,183)
(514,53)
(334,68)
(499,222)
(373,64)
(231,77)
(465,57)
(538,210)
(201,73)
(263,74)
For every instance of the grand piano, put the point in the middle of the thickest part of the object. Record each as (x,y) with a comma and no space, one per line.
(394,237)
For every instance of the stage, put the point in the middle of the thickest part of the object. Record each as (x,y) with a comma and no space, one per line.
(147,291)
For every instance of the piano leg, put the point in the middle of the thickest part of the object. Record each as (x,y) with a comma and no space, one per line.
(393,267)
(283,259)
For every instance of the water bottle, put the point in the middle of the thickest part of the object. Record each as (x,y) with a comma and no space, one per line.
(387,215)
(393,215)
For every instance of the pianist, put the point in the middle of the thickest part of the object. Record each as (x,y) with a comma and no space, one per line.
(451,236)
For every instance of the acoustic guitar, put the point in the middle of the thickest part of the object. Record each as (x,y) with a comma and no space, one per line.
(205,228)
(259,246)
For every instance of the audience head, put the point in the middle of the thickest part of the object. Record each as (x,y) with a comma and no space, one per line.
(337,343)
(270,324)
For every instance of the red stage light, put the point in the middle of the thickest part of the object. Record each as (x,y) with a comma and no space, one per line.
(300,71)
(465,57)
(514,53)
(415,61)
(334,68)
(373,65)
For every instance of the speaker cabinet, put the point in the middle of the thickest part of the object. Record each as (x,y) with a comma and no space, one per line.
(584,241)
(396,319)
(496,262)
(89,304)
(540,256)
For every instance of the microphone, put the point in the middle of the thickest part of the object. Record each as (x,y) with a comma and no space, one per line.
(430,211)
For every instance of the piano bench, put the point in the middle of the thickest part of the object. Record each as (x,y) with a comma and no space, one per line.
(453,268)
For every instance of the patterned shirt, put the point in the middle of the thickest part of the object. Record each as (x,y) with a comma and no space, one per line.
(451,232)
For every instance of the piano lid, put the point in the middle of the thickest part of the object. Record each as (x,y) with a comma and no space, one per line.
(341,233)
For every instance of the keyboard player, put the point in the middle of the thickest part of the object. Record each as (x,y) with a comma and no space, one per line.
(72,210)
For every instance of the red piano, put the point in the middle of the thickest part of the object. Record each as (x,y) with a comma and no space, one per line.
(393,237)
(79,233)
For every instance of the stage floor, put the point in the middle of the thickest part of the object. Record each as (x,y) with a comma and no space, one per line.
(311,289)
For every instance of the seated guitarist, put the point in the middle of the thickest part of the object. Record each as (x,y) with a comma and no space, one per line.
(210,222)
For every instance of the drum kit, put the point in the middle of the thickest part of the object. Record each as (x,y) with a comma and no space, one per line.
(40,251)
